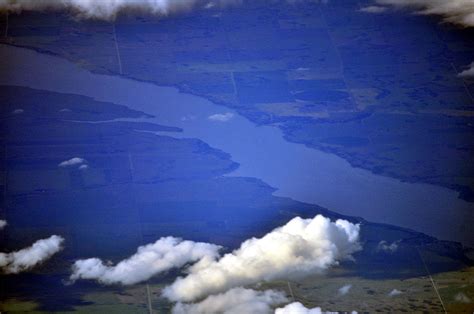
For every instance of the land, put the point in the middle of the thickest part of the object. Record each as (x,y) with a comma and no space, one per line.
(385,98)
(140,186)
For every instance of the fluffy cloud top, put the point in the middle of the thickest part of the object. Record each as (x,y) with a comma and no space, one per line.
(454,11)
(27,258)
(108,9)
(302,246)
(151,259)
(3,224)
(76,161)
(234,301)
(298,308)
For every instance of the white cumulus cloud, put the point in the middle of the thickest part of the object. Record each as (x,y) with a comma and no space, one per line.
(75,161)
(298,308)
(27,258)
(108,9)
(234,301)
(3,224)
(302,246)
(151,259)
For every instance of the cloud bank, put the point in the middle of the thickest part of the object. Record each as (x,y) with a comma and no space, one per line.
(27,258)
(234,301)
(151,259)
(302,246)
(460,12)
(108,9)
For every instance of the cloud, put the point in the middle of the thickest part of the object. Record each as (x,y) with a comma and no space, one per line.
(151,259)
(221,117)
(394,293)
(469,72)
(234,301)
(462,298)
(3,224)
(460,12)
(373,9)
(27,258)
(17,111)
(298,308)
(108,9)
(344,289)
(76,161)
(301,247)
(384,246)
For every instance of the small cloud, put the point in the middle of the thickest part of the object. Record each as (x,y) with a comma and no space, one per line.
(3,224)
(18,111)
(76,161)
(65,110)
(27,258)
(469,72)
(221,117)
(300,247)
(150,260)
(373,9)
(462,298)
(344,289)
(384,246)
(394,293)
(83,167)
(234,301)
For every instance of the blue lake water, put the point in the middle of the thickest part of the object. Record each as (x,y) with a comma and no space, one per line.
(296,171)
